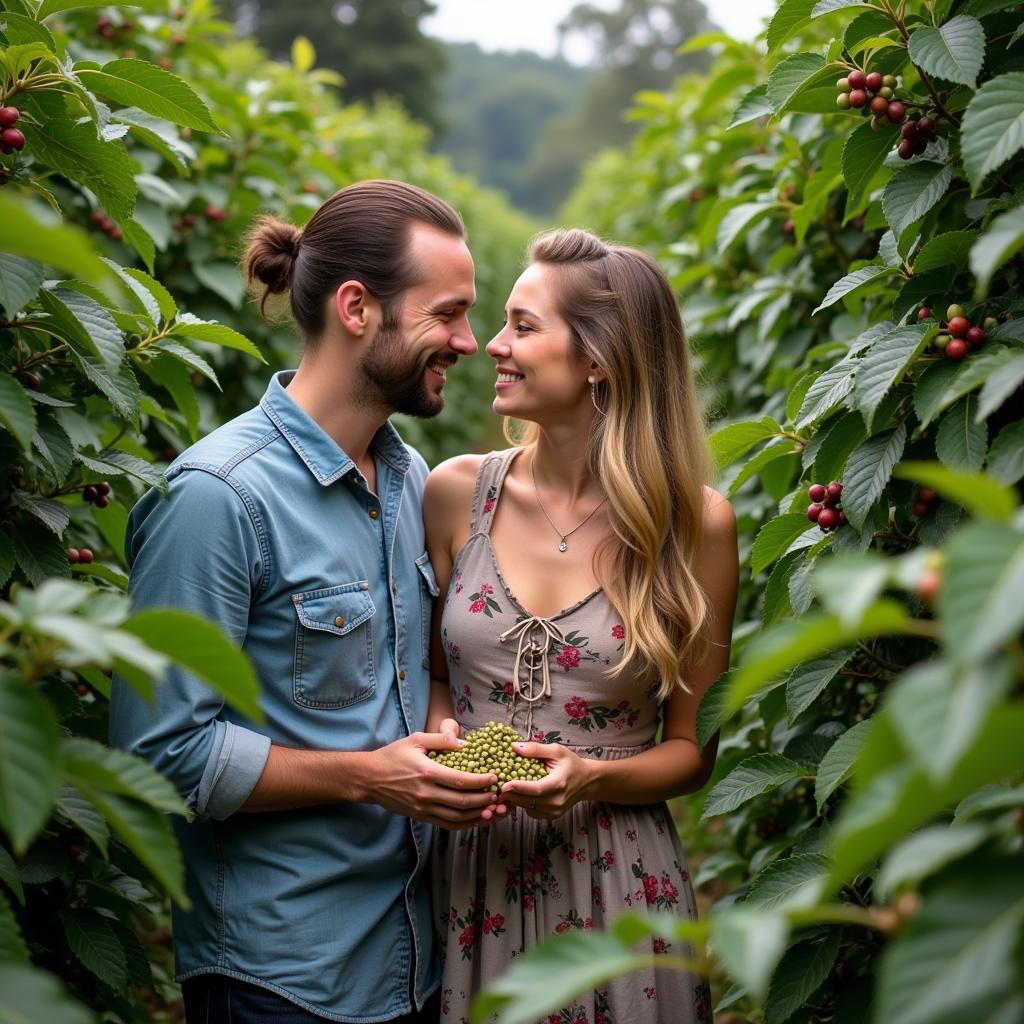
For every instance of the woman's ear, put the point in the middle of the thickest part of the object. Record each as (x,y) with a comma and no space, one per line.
(357,310)
(595,375)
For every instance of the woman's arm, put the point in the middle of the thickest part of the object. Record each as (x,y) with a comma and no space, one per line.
(676,765)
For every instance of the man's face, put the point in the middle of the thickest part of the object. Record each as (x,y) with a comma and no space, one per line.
(427,329)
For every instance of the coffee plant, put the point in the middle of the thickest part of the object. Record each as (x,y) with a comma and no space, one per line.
(136,146)
(861,841)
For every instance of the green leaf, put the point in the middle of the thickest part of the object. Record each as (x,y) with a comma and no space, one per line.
(827,6)
(993,126)
(774,538)
(29,774)
(66,248)
(950,249)
(913,191)
(806,681)
(39,553)
(12,945)
(87,326)
(801,972)
(204,650)
(1006,454)
(868,470)
(831,387)
(776,650)
(796,881)
(188,326)
(20,279)
(954,51)
(841,438)
(1005,235)
(979,600)
(114,462)
(9,875)
(752,107)
(105,167)
(999,387)
(20,29)
(158,135)
(89,762)
(884,365)
(958,958)
(776,592)
(28,994)
(739,220)
(80,812)
(961,440)
(711,710)
(944,383)
(224,280)
(17,414)
(54,447)
(731,442)
(781,448)
(837,764)
(48,7)
(925,853)
(984,496)
(789,76)
(753,776)
(165,304)
(138,83)
(52,514)
(852,283)
(791,16)
(864,154)
(749,942)
(94,943)
(175,378)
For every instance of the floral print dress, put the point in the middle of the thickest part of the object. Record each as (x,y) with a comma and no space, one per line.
(502,888)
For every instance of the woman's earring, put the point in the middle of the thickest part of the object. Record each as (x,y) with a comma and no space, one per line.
(593,394)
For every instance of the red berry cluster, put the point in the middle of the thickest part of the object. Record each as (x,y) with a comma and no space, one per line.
(915,136)
(214,212)
(96,494)
(11,138)
(106,225)
(106,28)
(926,497)
(959,334)
(871,91)
(824,508)
(76,555)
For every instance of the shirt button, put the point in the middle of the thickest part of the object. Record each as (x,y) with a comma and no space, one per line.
(373,513)
(339,621)
(401,675)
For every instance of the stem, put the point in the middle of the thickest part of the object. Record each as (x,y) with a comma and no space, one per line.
(864,649)
(936,102)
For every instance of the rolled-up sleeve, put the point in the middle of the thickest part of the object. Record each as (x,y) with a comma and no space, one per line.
(197,550)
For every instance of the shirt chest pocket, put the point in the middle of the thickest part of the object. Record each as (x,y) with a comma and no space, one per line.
(428,591)
(333,646)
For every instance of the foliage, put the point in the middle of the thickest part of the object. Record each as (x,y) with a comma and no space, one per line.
(149,145)
(866,812)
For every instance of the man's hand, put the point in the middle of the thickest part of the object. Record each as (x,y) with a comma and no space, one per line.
(404,780)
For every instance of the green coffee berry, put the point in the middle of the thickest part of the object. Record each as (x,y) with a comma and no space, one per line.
(488,751)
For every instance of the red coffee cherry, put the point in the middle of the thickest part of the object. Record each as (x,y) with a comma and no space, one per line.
(920,145)
(73,556)
(897,111)
(928,585)
(921,508)
(926,126)
(101,502)
(857,79)
(975,335)
(842,517)
(926,494)
(834,490)
(103,488)
(814,511)
(828,519)
(89,493)
(214,212)
(959,326)
(9,116)
(909,129)
(13,137)
(879,105)
(924,313)
(84,556)
(874,81)
(956,349)
(858,98)
(816,492)
(906,149)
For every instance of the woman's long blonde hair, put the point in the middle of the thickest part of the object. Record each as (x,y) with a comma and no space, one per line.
(648,450)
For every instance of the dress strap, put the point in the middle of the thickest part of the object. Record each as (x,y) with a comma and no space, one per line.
(489,479)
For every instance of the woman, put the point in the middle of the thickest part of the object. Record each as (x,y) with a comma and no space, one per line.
(590,581)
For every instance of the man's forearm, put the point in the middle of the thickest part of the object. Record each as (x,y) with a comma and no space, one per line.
(304,778)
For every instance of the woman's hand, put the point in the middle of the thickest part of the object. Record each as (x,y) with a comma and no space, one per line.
(566,783)
(450,729)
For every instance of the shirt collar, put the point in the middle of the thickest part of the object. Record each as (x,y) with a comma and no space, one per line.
(323,456)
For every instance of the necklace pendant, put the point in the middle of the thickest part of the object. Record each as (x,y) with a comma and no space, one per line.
(563,546)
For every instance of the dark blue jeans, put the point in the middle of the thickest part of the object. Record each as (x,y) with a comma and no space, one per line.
(219,999)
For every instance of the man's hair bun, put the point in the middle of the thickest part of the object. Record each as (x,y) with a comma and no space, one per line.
(271,253)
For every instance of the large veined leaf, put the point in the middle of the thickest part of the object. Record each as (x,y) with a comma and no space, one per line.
(739,220)
(736,439)
(1006,454)
(29,994)
(939,387)
(864,153)
(913,191)
(711,715)
(954,51)
(782,448)
(20,279)
(884,365)
(790,17)
(796,881)
(138,83)
(17,414)
(752,107)
(801,972)
(925,852)
(993,126)
(114,462)
(774,538)
(753,776)
(831,387)
(749,942)
(998,387)
(1005,235)
(827,6)
(985,497)
(789,76)
(837,764)
(980,597)
(29,773)
(841,438)
(950,249)
(92,940)
(776,591)
(808,680)
(868,470)
(956,959)
(52,514)
(961,441)
(88,327)
(188,326)
(852,283)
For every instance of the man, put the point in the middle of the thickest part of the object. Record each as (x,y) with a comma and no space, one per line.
(297,529)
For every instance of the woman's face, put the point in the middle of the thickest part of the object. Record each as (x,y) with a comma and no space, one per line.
(539,373)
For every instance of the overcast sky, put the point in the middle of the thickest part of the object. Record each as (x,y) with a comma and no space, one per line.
(531,24)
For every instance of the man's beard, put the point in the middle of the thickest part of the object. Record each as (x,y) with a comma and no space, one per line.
(394,378)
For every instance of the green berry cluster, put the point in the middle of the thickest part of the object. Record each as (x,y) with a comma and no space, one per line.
(487,751)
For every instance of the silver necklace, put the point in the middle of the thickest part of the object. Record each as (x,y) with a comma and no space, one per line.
(562,537)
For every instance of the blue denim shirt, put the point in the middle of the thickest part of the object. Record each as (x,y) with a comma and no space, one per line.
(270,532)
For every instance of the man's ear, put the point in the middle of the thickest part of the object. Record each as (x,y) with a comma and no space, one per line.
(357,310)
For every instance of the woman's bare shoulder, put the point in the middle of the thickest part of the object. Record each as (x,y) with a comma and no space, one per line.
(719,517)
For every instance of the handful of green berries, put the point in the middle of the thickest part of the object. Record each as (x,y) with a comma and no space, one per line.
(487,751)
